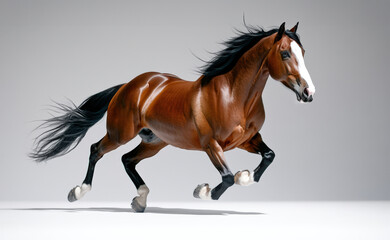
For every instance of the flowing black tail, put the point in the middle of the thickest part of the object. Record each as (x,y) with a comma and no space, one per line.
(66,131)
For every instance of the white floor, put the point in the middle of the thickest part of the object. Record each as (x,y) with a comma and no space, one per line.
(196,220)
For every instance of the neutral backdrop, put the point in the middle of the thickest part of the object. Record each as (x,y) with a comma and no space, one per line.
(336,148)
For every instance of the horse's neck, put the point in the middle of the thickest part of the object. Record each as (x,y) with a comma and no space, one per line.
(250,74)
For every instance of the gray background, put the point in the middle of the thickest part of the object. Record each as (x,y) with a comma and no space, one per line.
(335,148)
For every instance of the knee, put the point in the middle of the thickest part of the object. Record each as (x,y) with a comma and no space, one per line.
(126,160)
(228,180)
(94,153)
(94,148)
(269,155)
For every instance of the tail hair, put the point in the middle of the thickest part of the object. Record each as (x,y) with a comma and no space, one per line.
(64,133)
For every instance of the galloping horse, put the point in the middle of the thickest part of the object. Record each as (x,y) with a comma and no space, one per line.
(220,111)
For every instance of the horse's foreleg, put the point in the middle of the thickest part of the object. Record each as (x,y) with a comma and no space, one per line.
(147,148)
(215,153)
(97,151)
(255,145)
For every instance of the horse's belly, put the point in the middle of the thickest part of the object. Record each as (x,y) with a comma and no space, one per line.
(186,138)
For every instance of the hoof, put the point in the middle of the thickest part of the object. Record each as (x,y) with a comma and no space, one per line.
(202,191)
(136,206)
(72,195)
(244,178)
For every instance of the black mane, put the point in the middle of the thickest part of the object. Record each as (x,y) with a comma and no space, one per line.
(227,58)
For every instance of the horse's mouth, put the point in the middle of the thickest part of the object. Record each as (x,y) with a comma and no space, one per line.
(298,97)
(302,98)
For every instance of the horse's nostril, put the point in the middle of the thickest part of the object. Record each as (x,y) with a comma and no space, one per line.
(306,92)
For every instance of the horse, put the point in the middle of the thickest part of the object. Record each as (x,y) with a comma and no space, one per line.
(221,110)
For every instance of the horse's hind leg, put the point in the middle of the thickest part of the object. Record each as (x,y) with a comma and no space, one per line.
(149,147)
(97,151)
(255,145)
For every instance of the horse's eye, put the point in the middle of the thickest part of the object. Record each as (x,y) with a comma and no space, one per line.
(285,55)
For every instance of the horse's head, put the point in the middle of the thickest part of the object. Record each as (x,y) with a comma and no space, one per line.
(286,64)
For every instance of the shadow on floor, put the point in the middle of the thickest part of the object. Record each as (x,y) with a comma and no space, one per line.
(155,210)
(186,211)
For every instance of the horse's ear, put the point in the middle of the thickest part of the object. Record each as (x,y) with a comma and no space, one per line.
(280,32)
(295,28)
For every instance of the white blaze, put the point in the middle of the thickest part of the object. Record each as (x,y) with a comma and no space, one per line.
(296,50)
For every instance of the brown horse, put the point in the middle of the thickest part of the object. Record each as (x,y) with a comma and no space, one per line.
(220,111)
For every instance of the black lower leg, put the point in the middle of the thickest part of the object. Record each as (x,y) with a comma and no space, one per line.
(227,181)
(144,150)
(217,157)
(268,156)
(131,171)
(93,158)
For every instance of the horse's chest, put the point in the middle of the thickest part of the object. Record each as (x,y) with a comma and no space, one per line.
(247,126)
(255,116)
(238,135)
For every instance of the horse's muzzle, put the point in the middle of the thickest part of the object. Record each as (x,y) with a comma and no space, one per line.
(307,96)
